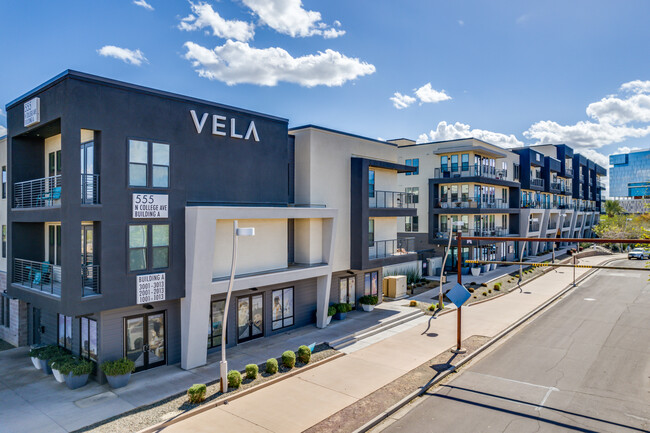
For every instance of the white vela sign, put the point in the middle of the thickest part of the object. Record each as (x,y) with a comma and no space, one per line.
(150,205)
(150,288)
(219,126)
(32,111)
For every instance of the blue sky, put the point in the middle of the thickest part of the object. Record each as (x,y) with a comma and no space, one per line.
(510,72)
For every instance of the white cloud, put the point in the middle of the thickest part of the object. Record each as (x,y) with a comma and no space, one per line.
(144,4)
(237,62)
(521,19)
(596,157)
(3,131)
(401,101)
(458,130)
(626,149)
(290,18)
(428,94)
(636,86)
(204,16)
(619,111)
(2,113)
(127,56)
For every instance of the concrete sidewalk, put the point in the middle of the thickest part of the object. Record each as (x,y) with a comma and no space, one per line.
(31,401)
(310,397)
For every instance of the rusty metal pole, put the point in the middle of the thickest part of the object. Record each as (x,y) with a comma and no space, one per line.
(459,255)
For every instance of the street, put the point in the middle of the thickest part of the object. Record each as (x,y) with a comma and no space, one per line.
(583,365)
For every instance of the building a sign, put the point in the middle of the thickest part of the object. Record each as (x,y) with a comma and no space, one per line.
(219,126)
(150,288)
(150,205)
(32,112)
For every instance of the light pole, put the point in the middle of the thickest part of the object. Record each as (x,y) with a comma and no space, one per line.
(236,233)
(444,260)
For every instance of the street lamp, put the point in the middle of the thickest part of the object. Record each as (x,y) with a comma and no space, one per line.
(236,233)
(444,260)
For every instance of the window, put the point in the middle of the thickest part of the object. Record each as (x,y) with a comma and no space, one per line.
(443,163)
(464,192)
(371,183)
(5,311)
(415,163)
(414,194)
(4,181)
(216,323)
(504,221)
(515,171)
(54,163)
(409,162)
(65,331)
(411,224)
(347,290)
(160,244)
(464,162)
(88,339)
(371,232)
(371,280)
(139,163)
(454,163)
(4,241)
(282,308)
(54,244)
(137,247)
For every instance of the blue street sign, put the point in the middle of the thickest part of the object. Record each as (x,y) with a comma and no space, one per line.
(458,295)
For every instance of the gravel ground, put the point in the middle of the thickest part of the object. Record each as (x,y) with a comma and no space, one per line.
(168,408)
(356,415)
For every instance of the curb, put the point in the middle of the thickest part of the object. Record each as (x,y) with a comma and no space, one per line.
(224,400)
(438,378)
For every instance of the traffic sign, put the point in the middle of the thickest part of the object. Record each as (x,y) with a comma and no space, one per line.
(458,295)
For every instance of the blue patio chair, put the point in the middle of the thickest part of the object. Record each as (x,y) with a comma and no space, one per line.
(50,196)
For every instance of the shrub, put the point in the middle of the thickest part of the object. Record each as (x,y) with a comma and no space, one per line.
(77,367)
(343,307)
(470,289)
(489,290)
(484,293)
(413,303)
(59,360)
(272,366)
(251,371)
(35,351)
(516,275)
(497,286)
(483,284)
(49,352)
(118,367)
(234,379)
(196,393)
(510,281)
(331,310)
(412,275)
(474,297)
(304,354)
(289,359)
(433,307)
(368,300)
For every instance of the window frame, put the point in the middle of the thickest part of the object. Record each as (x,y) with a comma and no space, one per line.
(371,233)
(347,280)
(149,165)
(87,356)
(4,181)
(284,318)
(148,248)
(371,183)
(4,241)
(211,336)
(145,248)
(155,247)
(67,323)
(367,283)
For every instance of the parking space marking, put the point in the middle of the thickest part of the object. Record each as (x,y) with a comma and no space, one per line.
(539,407)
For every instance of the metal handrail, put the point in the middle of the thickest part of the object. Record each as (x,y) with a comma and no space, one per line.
(90,280)
(445,172)
(535,181)
(497,231)
(44,192)
(41,276)
(472,203)
(89,189)
(391,247)
(391,199)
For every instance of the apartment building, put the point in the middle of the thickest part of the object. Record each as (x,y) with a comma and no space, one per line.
(122,201)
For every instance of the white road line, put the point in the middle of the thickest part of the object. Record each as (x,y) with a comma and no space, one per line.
(637,417)
(516,381)
(541,405)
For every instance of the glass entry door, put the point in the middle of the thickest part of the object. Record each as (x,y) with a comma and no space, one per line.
(250,317)
(144,340)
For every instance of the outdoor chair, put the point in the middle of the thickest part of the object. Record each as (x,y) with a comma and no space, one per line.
(50,196)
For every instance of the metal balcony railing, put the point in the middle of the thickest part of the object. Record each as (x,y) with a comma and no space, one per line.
(89,189)
(552,225)
(533,227)
(391,247)
(557,186)
(472,203)
(90,280)
(568,172)
(391,199)
(41,276)
(469,171)
(535,181)
(496,231)
(44,192)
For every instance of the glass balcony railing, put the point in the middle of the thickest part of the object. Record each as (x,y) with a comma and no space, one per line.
(568,172)
(46,192)
(391,199)
(391,247)
(535,181)
(472,203)
(449,171)
(496,231)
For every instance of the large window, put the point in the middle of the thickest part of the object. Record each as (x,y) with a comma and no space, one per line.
(282,308)
(216,323)
(371,183)
(89,339)
(414,196)
(139,236)
(160,244)
(411,224)
(464,161)
(65,331)
(137,247)
(347,290)
(145,157)
(454,163)
(415,162)
(371,281)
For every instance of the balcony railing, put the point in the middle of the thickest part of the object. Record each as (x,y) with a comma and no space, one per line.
(391,247)
(567,223)
(41,276)
(445,172)
(472,203)
(46,192)
(533,227)
(552,225)
(568,172)
(90,280)
(557,186)
(537,205)
(391,199)
(497,231)
(535,181)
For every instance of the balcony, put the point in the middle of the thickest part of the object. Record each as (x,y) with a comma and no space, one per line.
(45,277)
(391,248)
(536,205)
(568,172)
(533,227)
(552,225)
(535,181)
(391,199)
(567,223)
(557,186)
(447,172)
(472,203)
(46,192)
(497,231)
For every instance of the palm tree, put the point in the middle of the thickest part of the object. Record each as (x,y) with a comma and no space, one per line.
(613,207)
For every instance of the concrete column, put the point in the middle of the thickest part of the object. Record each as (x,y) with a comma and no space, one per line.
(322,299)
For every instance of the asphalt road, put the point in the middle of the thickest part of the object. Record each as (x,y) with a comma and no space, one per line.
(583,365)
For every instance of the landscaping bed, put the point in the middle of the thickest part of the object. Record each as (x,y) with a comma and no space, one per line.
(146,416)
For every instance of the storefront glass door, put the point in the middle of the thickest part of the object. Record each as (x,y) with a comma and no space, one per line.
(250,317)
(145,340)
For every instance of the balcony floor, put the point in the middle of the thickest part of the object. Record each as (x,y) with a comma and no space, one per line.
(51,289)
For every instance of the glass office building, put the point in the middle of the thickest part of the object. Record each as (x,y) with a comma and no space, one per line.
(629,174)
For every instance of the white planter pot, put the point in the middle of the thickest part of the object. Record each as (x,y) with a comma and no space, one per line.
(36,363)
(329,319)
(367,308)
(476,271)
(58,376)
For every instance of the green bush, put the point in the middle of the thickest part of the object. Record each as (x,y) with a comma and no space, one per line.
(368,300)
(196,393)
(59,360)
(33,353)
(433,307)
(49,352)
(343,307)
(289,359)
(251,371)
(234,379)
(272,366)
(304,354)
(118,367)
(497,286)
(484,293)
(489,290)
(77,367)
(331,310)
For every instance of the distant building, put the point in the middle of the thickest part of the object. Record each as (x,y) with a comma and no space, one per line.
(629,174)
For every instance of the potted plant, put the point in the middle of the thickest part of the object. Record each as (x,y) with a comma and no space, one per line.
(33,354)
(56,363)
(44,355)
(368,302)
(341,310)
(331,311)
(76,372)
(118,372)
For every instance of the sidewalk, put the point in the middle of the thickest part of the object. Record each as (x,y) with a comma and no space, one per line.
(310,397)
(31,401)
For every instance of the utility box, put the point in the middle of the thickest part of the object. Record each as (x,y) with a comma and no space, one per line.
(395,286)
